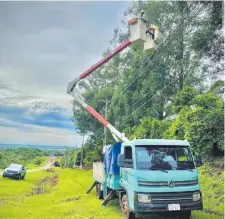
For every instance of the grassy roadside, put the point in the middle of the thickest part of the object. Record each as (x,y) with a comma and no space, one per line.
(16,190)
(65,200)
(212,186)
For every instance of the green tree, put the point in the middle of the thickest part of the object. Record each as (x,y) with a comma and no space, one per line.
(184,98)
(201,123)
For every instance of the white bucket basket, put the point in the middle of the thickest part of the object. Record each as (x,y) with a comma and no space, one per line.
(158,37)
(150,46)
(137,31)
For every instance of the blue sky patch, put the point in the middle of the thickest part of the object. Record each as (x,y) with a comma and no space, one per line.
(56,118)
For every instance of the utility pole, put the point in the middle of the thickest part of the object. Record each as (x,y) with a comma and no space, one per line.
(81,159)
(105,116)
(105,129)
(65,159)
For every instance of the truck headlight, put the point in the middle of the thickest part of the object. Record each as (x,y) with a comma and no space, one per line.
(144,199)
(196,196)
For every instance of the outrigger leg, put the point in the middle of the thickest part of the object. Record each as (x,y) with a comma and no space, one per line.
(92,186)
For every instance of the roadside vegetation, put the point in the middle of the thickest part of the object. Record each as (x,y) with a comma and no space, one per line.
(29,157)
(212,186)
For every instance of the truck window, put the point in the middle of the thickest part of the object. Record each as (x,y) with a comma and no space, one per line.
(182,155)
(128,153)
(128,157)
(164,157)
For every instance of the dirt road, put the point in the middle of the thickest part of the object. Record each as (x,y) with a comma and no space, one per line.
(50,163)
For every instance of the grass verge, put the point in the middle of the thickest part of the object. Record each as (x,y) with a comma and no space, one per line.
(212,187)
(67,199)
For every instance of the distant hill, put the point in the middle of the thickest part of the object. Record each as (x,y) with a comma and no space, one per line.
(43,147)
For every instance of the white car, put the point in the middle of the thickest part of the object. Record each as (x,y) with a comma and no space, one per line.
(15,171)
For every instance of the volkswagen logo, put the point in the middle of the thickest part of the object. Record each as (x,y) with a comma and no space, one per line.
(171,184)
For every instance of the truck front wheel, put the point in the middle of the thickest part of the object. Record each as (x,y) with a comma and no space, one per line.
(125,209)
(184,215)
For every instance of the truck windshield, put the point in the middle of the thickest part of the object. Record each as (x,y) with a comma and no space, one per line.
(164,158)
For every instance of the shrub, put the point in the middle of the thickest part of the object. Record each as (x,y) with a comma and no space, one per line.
(38,162)
(56,164)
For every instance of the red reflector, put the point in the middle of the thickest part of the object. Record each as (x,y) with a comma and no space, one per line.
(132,21)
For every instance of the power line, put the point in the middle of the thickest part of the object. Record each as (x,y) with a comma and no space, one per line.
(158,51)
(164,42)
(170,43)
(169,83)
(150,91)
(177,33)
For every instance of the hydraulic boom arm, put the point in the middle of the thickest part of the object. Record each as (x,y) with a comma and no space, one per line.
(139,34)
(115,133)
(120,48)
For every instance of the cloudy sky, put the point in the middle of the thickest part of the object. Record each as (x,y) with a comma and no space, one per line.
(43,46)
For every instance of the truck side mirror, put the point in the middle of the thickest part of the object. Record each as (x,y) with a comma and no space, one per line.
(128,163)
(120,160)
(198,161)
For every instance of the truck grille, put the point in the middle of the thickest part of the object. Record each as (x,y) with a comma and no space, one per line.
(165,184)
(171,197)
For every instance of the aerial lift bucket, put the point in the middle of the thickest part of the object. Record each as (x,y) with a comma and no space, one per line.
(137,30)
(150,46)
(153,37)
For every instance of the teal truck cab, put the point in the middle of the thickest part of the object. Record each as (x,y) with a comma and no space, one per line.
(149,176)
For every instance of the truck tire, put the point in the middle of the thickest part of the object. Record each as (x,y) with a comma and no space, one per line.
(184,215)
(125,209)
(99,193)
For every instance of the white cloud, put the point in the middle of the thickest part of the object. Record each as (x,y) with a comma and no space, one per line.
(31,104)
(45,136)
(45,45)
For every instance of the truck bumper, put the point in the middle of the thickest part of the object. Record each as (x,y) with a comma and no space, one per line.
(185,205)
(148,208)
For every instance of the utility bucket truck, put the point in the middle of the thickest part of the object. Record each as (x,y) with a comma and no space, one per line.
(146,175)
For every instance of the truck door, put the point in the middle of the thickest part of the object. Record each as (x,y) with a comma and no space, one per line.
(128,167)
